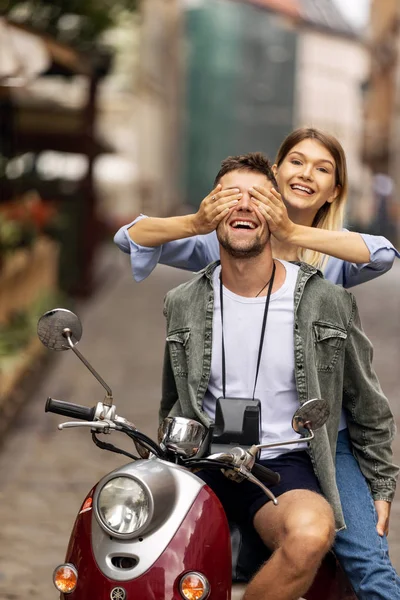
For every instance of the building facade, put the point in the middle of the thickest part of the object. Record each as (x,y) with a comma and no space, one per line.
(332,66)
(381,150)
(220,77)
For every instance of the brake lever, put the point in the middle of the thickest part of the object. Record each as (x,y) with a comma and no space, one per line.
(254,480)
(241,463)
(99,425)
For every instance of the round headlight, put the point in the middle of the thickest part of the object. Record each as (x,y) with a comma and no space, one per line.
(123,506)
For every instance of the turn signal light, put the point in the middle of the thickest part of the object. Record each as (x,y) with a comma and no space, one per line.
(194,586)
(65,578)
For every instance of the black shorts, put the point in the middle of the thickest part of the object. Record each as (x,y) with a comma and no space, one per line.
(242,500)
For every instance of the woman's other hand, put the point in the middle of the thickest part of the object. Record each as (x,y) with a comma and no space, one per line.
(270,204)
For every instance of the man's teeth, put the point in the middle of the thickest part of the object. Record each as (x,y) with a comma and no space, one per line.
(246,224)
(303,189)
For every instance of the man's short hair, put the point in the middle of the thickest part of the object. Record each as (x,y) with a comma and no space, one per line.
(253,161)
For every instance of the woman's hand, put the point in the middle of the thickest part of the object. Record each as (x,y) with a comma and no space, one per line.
(213,209)
(270,204)
(383,511)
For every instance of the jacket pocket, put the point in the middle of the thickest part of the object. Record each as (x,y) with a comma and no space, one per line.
(328,343)
(178,348)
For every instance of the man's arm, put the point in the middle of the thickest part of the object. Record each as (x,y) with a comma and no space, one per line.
(370,421)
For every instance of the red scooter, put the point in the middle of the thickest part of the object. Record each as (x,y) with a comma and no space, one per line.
(152,529)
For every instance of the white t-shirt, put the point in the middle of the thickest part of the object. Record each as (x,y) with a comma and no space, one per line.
(276,386)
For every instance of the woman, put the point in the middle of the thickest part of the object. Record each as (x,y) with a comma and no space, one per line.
(311,175)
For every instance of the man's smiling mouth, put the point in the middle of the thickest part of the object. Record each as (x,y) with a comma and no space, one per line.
(243,224)
(302,188)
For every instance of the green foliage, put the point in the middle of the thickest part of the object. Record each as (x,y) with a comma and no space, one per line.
(14,235)
(20,329)
(74,22)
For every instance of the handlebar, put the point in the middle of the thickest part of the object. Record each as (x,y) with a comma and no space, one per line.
(265,475)
(67,409)
(84,413)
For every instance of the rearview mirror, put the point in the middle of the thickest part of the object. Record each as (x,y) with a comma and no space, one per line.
(53,325)
(313,414)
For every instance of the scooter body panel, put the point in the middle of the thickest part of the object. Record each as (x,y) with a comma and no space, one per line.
(202,543)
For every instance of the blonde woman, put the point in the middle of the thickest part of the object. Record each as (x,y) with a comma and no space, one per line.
(305,218)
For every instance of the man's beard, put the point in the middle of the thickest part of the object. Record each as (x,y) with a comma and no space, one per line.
(254,247)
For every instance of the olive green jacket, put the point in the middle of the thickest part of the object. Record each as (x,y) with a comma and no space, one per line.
(332,361)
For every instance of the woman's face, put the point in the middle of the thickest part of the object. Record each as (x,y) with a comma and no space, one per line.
(306,179)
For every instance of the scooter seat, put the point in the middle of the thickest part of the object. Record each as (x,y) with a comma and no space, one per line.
(248,552)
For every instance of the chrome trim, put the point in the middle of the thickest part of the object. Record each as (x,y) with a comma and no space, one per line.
(203,578)
(174,490)
(183,436)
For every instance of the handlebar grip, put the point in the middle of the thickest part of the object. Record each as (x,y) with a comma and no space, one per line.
(67,409)
(265,475)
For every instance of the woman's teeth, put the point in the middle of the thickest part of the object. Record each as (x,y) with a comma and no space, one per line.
(302,188)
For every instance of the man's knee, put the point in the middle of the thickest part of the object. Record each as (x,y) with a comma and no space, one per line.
(311,538)
(310,533)
(303,519)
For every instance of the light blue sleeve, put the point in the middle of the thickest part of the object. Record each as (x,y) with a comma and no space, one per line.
(191,254)
(382,255)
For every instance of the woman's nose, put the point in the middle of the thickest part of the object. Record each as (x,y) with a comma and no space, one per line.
(307,171)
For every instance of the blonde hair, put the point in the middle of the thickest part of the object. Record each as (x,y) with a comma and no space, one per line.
(330,215)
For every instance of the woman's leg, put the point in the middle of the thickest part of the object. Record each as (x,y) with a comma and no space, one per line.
(361,551)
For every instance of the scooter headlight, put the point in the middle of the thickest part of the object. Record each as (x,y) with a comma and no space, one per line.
(124,506)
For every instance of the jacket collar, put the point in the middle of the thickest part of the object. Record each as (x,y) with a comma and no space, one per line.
(209,269)
(305,267)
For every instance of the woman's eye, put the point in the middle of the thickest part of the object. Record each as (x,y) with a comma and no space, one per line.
(323,170)
(295,161)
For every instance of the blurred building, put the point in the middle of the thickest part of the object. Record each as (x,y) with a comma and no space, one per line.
(159,108)
(331,68)
(220,77)
(48,142)
(382,115)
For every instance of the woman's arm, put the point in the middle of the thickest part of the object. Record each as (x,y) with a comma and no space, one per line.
(191,253)
(382,255)
(354,257)
(154,232)
(346,245)
(173,241)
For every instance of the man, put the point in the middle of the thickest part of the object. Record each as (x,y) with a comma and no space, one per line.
(313,346)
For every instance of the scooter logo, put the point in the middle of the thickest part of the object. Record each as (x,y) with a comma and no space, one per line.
(118,593)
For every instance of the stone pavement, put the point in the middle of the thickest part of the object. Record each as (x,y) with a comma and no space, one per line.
(45,473)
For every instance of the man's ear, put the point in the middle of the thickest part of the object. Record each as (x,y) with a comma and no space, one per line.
(274,170)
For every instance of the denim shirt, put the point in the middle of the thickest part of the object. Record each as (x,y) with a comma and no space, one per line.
(332,361)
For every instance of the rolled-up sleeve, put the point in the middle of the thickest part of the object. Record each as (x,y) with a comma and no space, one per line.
(382,255)
(191,254)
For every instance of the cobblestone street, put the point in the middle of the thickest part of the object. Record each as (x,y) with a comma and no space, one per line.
(45,473)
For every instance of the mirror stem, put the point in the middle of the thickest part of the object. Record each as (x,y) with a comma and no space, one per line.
(109,397)
(254,449)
